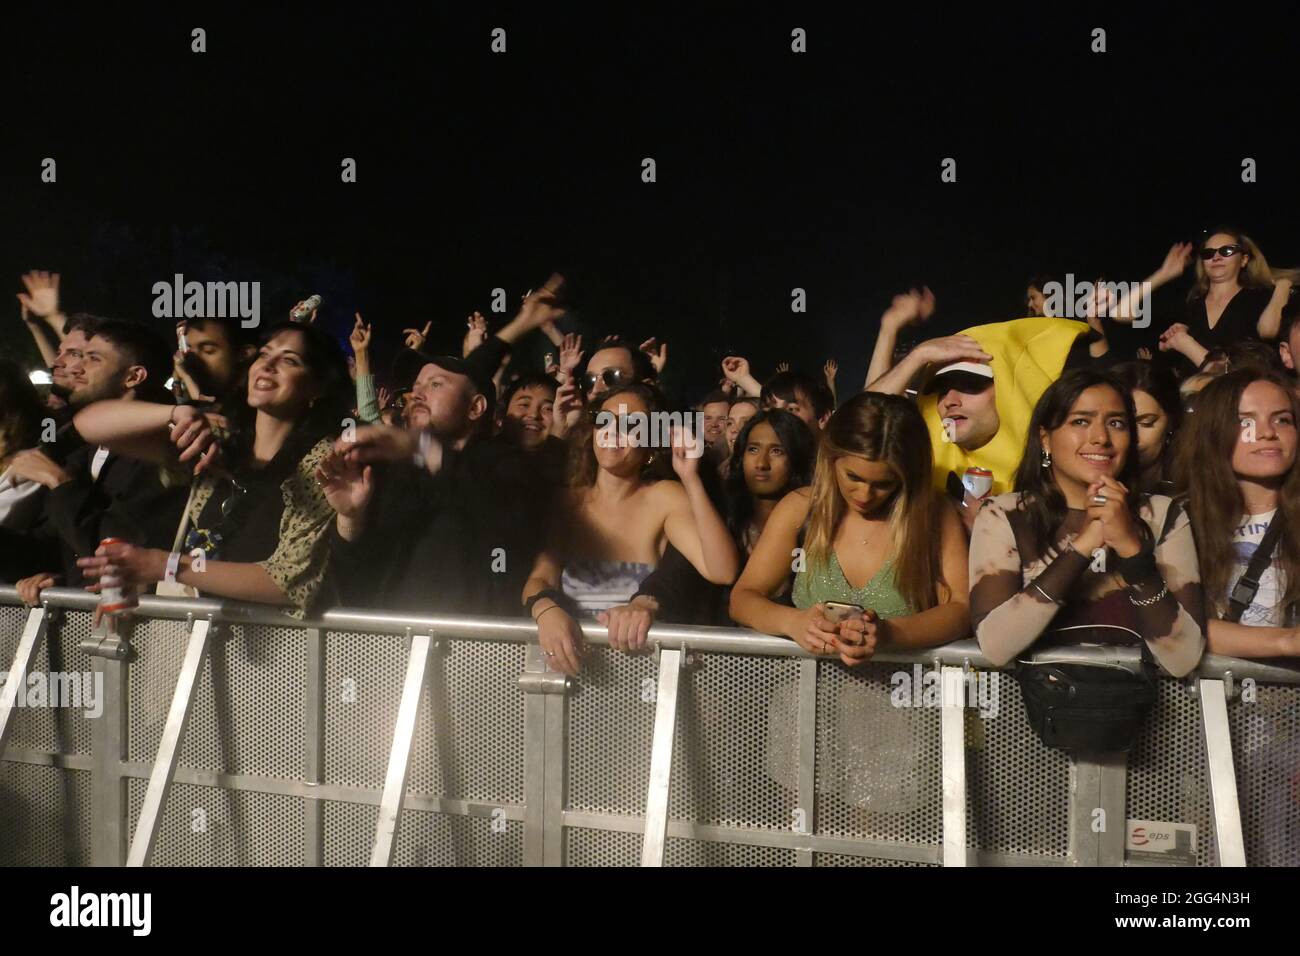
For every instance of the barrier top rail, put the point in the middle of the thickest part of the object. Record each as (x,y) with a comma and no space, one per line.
(726,640)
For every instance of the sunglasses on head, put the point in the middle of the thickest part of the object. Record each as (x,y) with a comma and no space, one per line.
(610,376)
(1226,252)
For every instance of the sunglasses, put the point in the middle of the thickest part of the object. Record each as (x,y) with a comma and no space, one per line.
(963,382)
(610,376)
(1226,252)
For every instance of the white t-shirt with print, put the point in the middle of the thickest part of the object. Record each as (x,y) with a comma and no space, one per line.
(1264,610)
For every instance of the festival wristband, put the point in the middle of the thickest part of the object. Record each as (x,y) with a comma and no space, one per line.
(173,565)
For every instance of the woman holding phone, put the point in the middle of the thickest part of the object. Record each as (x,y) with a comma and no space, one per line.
(870,533)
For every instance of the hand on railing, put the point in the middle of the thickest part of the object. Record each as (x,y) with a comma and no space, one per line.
(858,637)
(629,624)
(561,640)
(29,589)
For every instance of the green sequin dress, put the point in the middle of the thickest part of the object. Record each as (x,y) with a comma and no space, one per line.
(827,583)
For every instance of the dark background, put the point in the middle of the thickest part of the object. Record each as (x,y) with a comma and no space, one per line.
(775,170)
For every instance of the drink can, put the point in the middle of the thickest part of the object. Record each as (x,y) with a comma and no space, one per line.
(113,597)
(978,481)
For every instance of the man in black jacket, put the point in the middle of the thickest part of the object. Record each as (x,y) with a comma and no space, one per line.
(94,494)
(450,519)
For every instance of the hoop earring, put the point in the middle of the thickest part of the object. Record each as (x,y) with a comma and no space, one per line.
(1047,459)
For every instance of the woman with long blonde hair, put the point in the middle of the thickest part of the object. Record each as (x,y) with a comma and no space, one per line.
(870,533)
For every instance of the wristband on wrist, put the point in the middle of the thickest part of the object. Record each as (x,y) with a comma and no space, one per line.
(173,565)
(549,594)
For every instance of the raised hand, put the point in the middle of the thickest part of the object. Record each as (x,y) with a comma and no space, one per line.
(735,368)
(916,305)
(658,356)
(348,487)
(1175,264)
(414,338)
(373,443)
(567,409)
(951,348)
(476,334)
(42,296)
(830,370)
(687,449)
(359,338)
(1177,337)
(570,353)
(542,306)
(782,367)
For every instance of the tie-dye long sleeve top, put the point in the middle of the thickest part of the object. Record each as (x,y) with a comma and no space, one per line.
(1016,584)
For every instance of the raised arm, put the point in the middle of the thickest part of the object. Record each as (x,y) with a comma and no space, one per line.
(909,307)
(736,369)
(146,431)
(1270,320)
(692,524)
(952,348)
(1175,264)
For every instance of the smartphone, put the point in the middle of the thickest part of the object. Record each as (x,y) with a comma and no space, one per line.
(836,612)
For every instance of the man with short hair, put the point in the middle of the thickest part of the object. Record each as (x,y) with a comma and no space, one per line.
(217,352)
(714,407)
(1288,339)
(804,396)
(978,402)
(94,494)
(450,517)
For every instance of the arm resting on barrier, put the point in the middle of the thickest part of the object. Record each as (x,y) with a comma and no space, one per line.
(1174,625)
(767,569)
(1008,615)
(1230,639)
(949,619)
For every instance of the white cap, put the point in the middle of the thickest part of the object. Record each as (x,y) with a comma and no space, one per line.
(975,368)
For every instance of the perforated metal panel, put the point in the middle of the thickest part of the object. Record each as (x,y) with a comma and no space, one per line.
(469,740)
(878,765)
(159,648)
(843,859)
(679,852)
(38,725)
(611,719)
(1266,754)
(584,847)
(349,833)
(1167,776)
(206,826)
(730,718)
(439,839)
(45,816)
(1018,790)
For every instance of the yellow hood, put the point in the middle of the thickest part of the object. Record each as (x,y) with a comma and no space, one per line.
(1028,355)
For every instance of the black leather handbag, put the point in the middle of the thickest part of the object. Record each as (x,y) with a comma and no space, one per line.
(1088,707)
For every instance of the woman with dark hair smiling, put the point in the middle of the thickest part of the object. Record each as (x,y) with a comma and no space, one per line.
(1075,554)
(258,515)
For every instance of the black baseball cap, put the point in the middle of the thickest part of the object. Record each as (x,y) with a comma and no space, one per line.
(409,362)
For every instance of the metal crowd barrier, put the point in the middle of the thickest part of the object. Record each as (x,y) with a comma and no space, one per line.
(225,734)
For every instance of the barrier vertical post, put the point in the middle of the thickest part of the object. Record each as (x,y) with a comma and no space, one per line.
(1223,775)
(169,749)
(807,730)
(661,757)
(399,755)
(953,735)
(314,742)
(29,645)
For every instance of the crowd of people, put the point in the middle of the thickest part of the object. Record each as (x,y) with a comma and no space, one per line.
(1029,481)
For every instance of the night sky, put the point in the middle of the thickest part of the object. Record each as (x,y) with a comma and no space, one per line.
(775,170)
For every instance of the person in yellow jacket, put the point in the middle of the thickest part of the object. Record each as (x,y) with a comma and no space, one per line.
(978,399)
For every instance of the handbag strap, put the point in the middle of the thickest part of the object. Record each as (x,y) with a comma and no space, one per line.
(1248,584)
